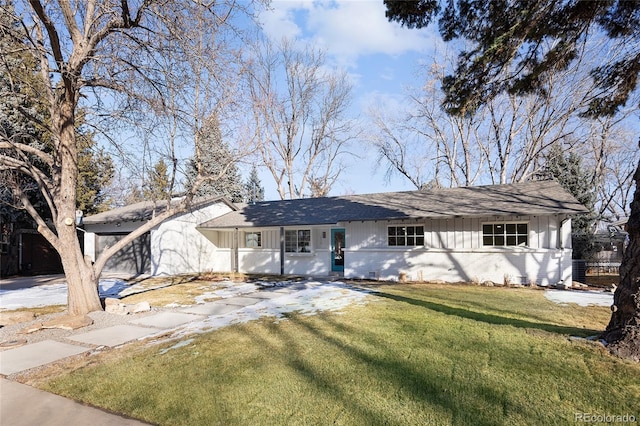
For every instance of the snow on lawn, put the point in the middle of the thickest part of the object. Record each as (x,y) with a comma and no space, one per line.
(229,289)
(307,298)
(582,298)
(52,294)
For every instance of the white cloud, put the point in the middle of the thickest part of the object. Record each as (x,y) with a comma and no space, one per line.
(347,29)
(279,22)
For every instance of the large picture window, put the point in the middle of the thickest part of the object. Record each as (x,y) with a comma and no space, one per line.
(505,234)
(406,236)
(297,241)
(253,239)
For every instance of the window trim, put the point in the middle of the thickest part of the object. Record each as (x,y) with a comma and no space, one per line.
(505,235)
(418,238)
(246,239)
(296,232)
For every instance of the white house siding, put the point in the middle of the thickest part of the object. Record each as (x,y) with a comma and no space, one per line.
(266,259)
(543,267)
(261,261)
(453,251)
(178,248)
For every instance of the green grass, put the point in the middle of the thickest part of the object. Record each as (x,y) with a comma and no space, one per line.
(416,354)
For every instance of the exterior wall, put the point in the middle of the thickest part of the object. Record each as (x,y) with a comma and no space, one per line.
(454,251)
(544,267)
(178,248)
(173,247)
(266,259)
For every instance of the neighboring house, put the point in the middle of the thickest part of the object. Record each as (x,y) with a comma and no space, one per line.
(519,232)
(26,252)
(173,247)
(22,249)
(611,240)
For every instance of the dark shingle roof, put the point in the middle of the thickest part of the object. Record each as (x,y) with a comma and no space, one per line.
(144,210)
(529,198)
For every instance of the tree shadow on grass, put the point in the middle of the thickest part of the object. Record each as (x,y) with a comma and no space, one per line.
(415,386)
(489,318)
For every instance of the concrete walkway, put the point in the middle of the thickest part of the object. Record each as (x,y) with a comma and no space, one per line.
(24,405)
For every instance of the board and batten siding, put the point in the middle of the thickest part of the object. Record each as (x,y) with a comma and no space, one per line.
(266,259)
(456,233)
(453,251)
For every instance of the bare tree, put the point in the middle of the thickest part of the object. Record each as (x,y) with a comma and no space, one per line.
(300,116)
(504,141)
(117,60)
(396,140)
(610,152)
(426,145)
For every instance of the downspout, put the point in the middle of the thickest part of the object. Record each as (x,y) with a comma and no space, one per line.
(236,244)
(282,250)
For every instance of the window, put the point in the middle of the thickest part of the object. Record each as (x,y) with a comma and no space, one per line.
(297,241)
(253,239)
(408,236)
(505,234)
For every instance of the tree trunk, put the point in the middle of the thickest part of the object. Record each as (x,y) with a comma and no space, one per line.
(82,285)
(81,281)
(623,331)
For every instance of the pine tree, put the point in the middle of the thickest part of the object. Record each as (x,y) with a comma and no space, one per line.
(95,171)
(253,189)
(221,175)
(159,185)
(577,179)
(21,100)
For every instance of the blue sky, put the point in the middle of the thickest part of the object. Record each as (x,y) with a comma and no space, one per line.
(381,57)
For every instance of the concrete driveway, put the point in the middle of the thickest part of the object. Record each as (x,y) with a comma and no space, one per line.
(16,283)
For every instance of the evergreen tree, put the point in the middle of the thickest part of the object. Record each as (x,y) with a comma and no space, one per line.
(578,180)
(18,91)
(158,185)
(217,167)
(95,171)
(253,189)
(21,102)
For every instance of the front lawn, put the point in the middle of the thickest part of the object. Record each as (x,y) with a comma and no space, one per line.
(415,354)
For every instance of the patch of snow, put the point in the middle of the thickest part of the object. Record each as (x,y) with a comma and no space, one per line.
(229,289)
(177,345)
(112,287)
(52,294)
(309,299)
(42,295)
(582,298)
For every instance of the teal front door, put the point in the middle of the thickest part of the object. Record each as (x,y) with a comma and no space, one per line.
(337,250)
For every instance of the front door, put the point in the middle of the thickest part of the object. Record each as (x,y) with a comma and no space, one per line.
(337,250)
